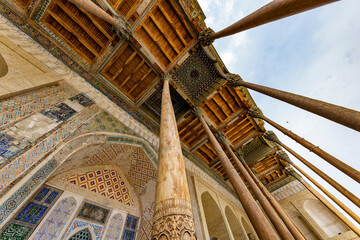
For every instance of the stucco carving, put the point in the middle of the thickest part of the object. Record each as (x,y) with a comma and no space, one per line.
(173,220)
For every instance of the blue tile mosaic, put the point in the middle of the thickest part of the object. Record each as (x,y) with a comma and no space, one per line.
(7,149)
(15,232)
(82,99)
(128,235)
(42,194)
(60,112)
(32,213)
(51,197)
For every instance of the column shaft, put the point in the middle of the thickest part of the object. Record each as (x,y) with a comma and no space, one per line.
(280,211)
(347,117)
(328,179)
(332,197)
(92,8)
(273,11)
(172,211)
(330,207)
(269,210)
(351,172)
(261,225)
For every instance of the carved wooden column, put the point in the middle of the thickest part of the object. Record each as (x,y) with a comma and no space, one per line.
(272,11)
(344,116)
(291,172)
(172,212)
(261,225)
(279,210)
(265,204)
(119,23)
(269,135)
(351,172)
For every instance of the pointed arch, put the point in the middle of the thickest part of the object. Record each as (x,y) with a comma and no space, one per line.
(83,234)
(213,217)
(234,223)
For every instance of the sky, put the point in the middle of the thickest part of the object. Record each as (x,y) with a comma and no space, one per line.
(315,54)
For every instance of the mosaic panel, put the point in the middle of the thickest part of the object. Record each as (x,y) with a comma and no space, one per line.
(19,196)
(78,224)
(82,99)
(7,148)
(107,183)
(56,221)
(130,227)
(16,108)
(32,213)
(23,162)
(146,225)
(15,232)
(114,230)
(60,112)
(27,218)
(94,213)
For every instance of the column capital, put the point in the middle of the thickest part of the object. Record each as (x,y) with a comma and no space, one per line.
(283,156)
(220,136)
(240,155)
(167,77)
(255,112)
(197,111)
(205,37)
(234,80)
(122,27)
(271,136)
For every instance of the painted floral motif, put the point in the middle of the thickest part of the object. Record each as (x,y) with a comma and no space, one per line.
(57,219)
(114,230)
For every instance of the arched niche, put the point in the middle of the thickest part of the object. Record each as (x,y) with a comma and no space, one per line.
(324,218)
(3,67)
(301,223)
(213,217)
(248,231)
(235,226)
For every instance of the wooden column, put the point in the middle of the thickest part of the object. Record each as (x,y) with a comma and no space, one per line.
(172,211)
(261,225)
(120,25)
(265,204)
(272,11)
(283,156)
(280,211)
(269,135)
(322,199)
(351,172)
(344,116)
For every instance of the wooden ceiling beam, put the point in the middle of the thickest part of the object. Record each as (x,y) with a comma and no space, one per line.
(132,73)
(118,72)
(141,79)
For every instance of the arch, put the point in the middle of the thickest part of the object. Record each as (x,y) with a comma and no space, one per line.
(302,224)
(248,231)
(214,219)
(83,234)
(235,225)
(324,218)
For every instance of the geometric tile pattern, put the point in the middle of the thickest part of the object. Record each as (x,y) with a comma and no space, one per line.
(28,217)
(130,227)
(81,235)
(23,162)
(18,107)
(107,183)
(59,112)
(142,170)
(19,196)
(55,222)
(114,230)
(80,224)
